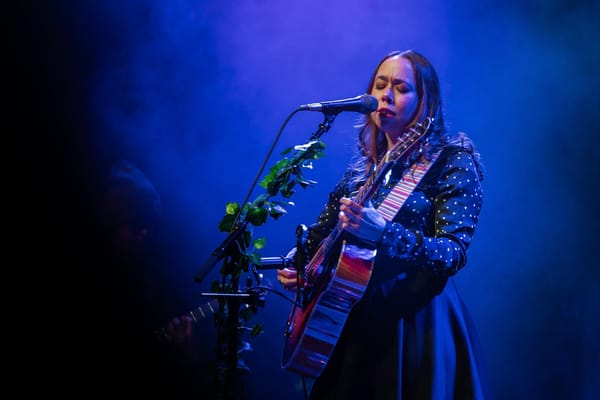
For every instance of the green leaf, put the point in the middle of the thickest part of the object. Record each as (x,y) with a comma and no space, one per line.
(254,258)
(257,215)
(276,210)
(226,224)
(275,171)
(259,243)
(232,208)
(257,329)
(287,189)
(261,199)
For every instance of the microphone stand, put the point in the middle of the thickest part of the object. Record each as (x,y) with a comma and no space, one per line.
(232,251)
(228,367)
(324,126)
(223,249)
(228,316)
(300,260)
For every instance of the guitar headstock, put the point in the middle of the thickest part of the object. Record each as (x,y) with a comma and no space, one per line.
(409,139)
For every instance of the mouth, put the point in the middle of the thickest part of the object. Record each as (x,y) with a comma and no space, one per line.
(386,113)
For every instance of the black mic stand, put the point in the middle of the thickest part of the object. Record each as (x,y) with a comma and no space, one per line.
(227,319)
(324,126)
(232,251)
(300,260)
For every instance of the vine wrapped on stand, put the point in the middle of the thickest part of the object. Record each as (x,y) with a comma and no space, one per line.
(241,255)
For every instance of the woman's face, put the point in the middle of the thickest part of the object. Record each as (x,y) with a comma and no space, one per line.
(395,90)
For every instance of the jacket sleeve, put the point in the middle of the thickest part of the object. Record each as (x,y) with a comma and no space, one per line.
(441,249)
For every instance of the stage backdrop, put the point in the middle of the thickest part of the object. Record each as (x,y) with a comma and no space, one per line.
(194,92)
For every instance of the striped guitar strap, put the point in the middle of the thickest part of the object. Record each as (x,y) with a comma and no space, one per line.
(405,186)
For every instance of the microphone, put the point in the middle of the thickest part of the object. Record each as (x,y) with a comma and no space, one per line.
(363,104)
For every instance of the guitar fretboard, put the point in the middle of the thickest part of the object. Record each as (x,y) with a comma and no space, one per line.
(197,314)
(204,310)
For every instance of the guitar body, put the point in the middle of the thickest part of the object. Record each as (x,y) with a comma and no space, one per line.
(313,330)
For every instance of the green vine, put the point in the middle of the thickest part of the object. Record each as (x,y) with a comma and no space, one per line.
(280,184)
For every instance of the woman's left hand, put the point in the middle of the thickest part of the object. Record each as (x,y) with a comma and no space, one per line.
(363,222)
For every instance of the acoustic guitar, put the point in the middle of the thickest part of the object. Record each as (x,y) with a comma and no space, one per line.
(336,278)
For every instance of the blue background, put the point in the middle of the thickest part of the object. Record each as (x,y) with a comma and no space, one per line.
(194,92)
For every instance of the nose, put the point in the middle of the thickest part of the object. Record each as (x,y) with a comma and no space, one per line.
(387,97)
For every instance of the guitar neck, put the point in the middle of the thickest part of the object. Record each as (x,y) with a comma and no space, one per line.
(368,190)
(197,314)
(204,310)
(392,157)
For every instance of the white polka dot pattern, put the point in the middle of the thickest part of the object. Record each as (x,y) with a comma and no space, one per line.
(434,227)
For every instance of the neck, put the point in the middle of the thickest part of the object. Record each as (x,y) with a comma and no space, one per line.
(391,140)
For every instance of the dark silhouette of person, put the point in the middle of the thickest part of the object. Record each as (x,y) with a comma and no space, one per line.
(152,348)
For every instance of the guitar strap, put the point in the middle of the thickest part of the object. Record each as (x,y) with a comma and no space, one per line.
(390,206)
(396,198)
